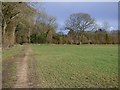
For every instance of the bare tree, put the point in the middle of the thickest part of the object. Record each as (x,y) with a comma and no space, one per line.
(79,23)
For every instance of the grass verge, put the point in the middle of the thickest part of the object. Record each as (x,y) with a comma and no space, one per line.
(10,58)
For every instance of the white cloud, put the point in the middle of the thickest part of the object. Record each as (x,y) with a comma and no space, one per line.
(111,28)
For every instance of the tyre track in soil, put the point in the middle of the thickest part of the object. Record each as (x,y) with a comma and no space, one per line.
(22,72)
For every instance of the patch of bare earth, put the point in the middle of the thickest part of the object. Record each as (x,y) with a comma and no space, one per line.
(22,72)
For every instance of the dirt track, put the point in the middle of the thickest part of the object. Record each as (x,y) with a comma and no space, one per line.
(22,70)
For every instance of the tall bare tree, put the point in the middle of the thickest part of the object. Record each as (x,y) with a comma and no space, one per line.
(79,23)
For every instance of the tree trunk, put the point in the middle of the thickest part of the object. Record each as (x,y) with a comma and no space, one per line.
(9,34)
(3,32)
(29,35)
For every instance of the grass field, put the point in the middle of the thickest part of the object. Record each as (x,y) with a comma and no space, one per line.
(76,66)
(59,66)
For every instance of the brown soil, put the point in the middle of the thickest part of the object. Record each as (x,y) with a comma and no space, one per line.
(24,75)
(22,69)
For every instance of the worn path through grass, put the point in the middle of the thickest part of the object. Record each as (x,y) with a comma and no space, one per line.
(22,70)
(16,67)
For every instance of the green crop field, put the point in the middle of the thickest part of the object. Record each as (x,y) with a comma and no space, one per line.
(63,66)
(76,65)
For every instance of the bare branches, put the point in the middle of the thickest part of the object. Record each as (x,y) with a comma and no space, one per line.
(79,22)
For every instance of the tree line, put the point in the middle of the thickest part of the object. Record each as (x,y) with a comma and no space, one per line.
(23,23)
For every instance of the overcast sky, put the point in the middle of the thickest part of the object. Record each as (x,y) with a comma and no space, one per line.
(100,11)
